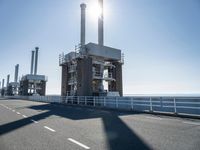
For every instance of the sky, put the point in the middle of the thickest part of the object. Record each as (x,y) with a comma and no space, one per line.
(159,38)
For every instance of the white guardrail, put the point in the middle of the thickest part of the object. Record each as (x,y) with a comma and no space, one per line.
(174,105)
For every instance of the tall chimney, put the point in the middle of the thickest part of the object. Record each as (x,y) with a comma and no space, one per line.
(32,61)
(8,80)
(100,25)
(16,72)
(36,60)
(3,83)
(83,7)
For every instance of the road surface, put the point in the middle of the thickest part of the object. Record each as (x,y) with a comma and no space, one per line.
(28,125)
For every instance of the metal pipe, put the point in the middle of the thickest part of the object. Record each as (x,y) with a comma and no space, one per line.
(36,60)
(32,61)
(82,40)
(101,25)
(16,72)
(8,80)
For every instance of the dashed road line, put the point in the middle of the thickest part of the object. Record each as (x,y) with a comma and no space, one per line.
(52,130)
(34,121)
(78,143)
(24,116)
(191,123)
(18,113)
(13,110)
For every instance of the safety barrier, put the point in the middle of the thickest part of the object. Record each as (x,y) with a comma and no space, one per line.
(174,105)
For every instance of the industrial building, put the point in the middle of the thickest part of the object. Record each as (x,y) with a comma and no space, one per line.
(2,88)
(33,84)
(92,69)
(13,87)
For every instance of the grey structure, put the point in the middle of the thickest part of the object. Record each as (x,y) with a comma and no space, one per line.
(13,87)
(92,69)
(3,88)
(33,84)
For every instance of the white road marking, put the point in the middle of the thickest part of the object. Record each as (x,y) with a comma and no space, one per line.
(34,121)
(18,113)
(13,110)
(157,118)
(24,116)
(49,129)
(78,143)
(191,123)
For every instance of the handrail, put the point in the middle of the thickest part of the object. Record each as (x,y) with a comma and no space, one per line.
(176,105)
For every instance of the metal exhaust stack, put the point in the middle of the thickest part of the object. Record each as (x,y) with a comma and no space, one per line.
(83,7)
(8,80)
(101,25)
(32,61)
(16,72)
(3,83)
(36,60)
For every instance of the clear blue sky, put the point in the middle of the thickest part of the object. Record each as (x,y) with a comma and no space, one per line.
(160,40)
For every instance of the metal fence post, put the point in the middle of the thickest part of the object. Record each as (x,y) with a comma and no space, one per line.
(104,101)
(151,107)
(85,101)
(94,100)
(78,100)
(116,100)
(175,111)
(132,103)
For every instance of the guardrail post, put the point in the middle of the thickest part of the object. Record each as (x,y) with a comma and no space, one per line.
(104,101)
(94,101)
(132,103)
(175,111)
(151,107)
(73,100)
(78,100)
(85,100)
(116,100)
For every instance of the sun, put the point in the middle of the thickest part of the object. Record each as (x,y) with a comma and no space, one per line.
(94,9)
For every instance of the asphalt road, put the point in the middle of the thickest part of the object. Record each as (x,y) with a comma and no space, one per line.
(28,125)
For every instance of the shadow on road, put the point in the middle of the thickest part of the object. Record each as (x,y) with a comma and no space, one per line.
(118,135)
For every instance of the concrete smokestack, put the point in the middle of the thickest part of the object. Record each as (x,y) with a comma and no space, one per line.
(16,72)
(8,80)
(32,61)
(100,25)
(83,7)
(36,60)
(3,83)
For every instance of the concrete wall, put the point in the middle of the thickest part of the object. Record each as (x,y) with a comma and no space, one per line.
(64,87)
(84,67)
(117,74)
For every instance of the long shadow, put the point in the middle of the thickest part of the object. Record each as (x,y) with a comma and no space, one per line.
(9,127)
(118,135)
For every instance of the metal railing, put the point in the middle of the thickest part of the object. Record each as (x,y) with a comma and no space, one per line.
(174,105)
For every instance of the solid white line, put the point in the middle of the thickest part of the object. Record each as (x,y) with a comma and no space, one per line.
(18,113)
(157,118)
(192,123)
(49,129)
(34,121)
(78,143)
(24,116)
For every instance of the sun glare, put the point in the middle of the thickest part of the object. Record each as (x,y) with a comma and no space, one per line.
(95,10)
